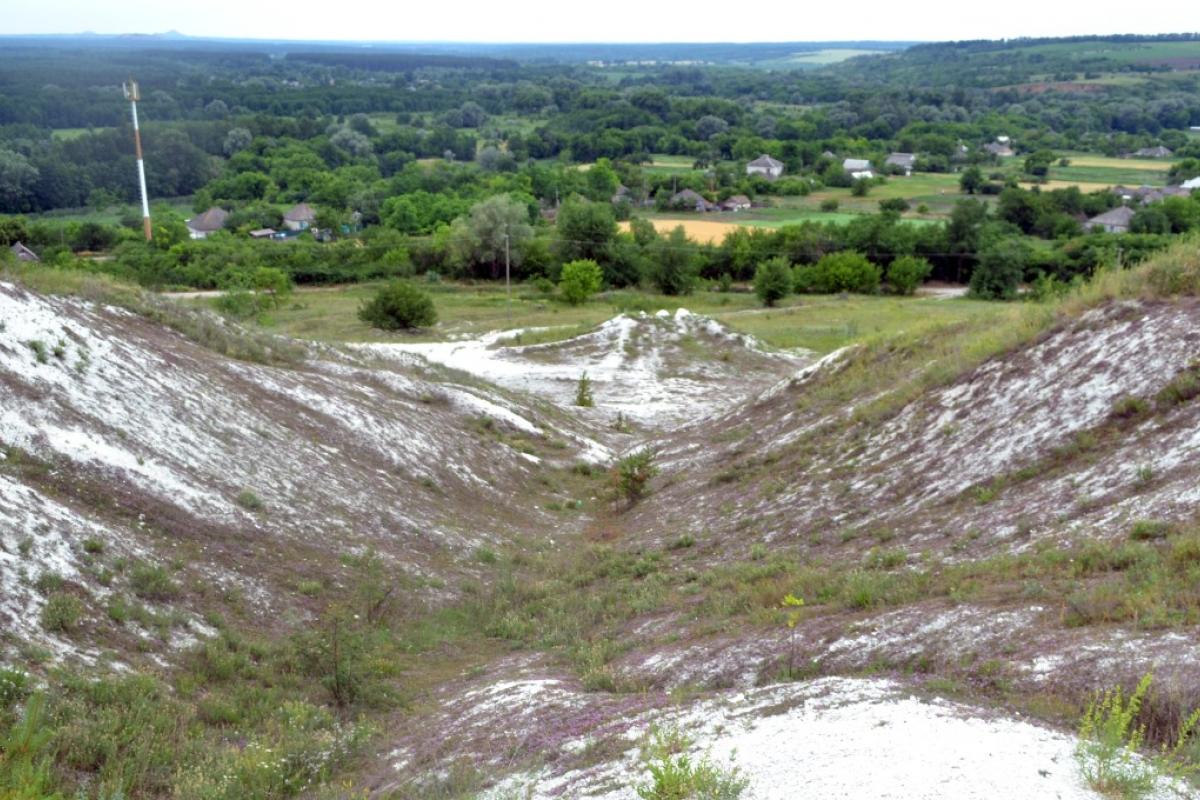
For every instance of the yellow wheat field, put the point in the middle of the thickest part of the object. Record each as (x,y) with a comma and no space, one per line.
(698,230)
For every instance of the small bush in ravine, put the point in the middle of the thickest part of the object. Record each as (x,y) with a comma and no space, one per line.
(676,774)
(151,582)
(1147,529)
(632,474)
(61,613)
(249,500)
(583,392)
(398,306)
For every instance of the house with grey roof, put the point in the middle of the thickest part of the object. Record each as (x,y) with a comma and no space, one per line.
(902,161)
(691,200)
(999,150)
(1112,221)
(300,217)
(1152,152)
(856,164)
(23,253)
(765,166)
(211,221)
(739,202)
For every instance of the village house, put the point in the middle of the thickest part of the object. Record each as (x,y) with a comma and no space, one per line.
(1191,184)
(998,149)
(300,217)
(902,161)
(23,253)
(1113,221)
(262,233)
(1152,152)
(859,168)
(211,221)
(765,166)
(1149,194)
(739,202)
(692,200)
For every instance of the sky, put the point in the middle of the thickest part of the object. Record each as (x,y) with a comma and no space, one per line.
(606,21)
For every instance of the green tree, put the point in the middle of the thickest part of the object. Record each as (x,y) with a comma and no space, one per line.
(773,280)
(674,266)
(1038,164)
(972,180)
(477,240)
(1000,269)
(272,283)
(399,305)
(586,230)
(17,179)
(906,273)
(580,280)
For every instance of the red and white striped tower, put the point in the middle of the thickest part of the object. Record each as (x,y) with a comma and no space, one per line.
(133,95)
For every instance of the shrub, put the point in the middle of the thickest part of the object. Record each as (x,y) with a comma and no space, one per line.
(399,305)
(896,204)
(151,582)
(1129,406)
(838,272)
(583,392)
(675,775)
(39,350)
(249,500)
(1146,529)
(773,280)
(1109,743)
(999,271)
(61,613)
(829,205)
(906,273)
(580,280)
(632,474)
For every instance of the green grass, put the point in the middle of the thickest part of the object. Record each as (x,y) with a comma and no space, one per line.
(812,322)
(824,324)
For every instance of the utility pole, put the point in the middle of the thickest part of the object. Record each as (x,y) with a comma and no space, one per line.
(507,280)
(133,95)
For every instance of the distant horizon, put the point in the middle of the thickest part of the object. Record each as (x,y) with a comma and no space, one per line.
(529,22)
(181,35)
(515,43)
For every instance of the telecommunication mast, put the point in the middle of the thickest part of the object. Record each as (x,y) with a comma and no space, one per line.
(132,94)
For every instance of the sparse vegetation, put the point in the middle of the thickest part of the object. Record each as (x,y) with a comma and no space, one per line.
(1110,751)
(675,774)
